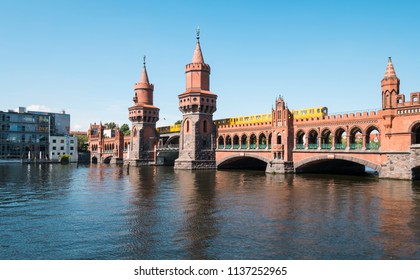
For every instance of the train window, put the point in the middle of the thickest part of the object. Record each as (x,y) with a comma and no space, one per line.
(304,112)
(295,113)
(325,110)
(258,117)
(318,111)
(311,111)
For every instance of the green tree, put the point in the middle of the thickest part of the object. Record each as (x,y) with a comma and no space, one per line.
(125,129)
(110,125)
(178,122)
(65,159)
(82,143)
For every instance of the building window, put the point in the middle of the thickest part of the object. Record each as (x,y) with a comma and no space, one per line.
(71,154)
(54,148)
(54,141)
(62,141)
(62,148)
(53,153)
(71,141)
(71,148)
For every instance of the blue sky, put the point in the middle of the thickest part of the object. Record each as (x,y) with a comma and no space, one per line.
(85,56)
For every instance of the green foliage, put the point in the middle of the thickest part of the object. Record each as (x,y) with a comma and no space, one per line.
(82,143)
(65,159)
(125,129)
(178,122)
(110,125)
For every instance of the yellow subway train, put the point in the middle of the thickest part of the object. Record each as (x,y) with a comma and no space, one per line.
(314,112)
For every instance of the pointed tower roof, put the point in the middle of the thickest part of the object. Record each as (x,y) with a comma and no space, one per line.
(198,55)
(390,71)
(144,78)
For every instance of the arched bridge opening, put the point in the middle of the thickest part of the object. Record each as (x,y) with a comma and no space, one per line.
(337,166)
(107,160)
(415,173)
(243,162)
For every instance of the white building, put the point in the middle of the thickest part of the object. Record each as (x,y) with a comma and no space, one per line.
(61,145)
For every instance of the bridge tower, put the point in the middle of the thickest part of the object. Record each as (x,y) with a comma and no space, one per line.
(390,95)
(197,104)
(143,116)
(282,139)
(390,87)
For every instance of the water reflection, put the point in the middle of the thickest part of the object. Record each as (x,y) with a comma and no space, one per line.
(105,212)
(200,214)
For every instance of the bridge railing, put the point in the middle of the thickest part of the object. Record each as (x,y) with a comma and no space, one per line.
(300,146)
(312,146)
(372,146)
(340,146)
(325,146)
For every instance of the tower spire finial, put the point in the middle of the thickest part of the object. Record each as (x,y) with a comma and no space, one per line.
(144,60)
(390,71)
(198,33)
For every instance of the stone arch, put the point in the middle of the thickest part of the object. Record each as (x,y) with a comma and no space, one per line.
(220,142)
(107,159)
(172,141)
(94,160)
(340,138)
(415,172)
(372,139)
(228,142)
(414,129)
(234,158)
(244,141)
(356,138)
(326,137)
(300,139)
(236,141)
(313,139)
(252,141)
(320,158)
(262,140)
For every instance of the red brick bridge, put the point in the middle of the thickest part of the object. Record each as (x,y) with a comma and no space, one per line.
(386,140)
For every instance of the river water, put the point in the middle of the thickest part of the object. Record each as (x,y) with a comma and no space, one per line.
(109,212)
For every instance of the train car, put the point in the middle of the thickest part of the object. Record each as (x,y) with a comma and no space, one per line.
(314,112)
(169,129)
(244,120)
(307,113)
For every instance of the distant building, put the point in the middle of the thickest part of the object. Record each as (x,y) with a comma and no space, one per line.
(61,145)
(26,134)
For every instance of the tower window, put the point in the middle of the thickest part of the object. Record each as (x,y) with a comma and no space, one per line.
(205,126)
